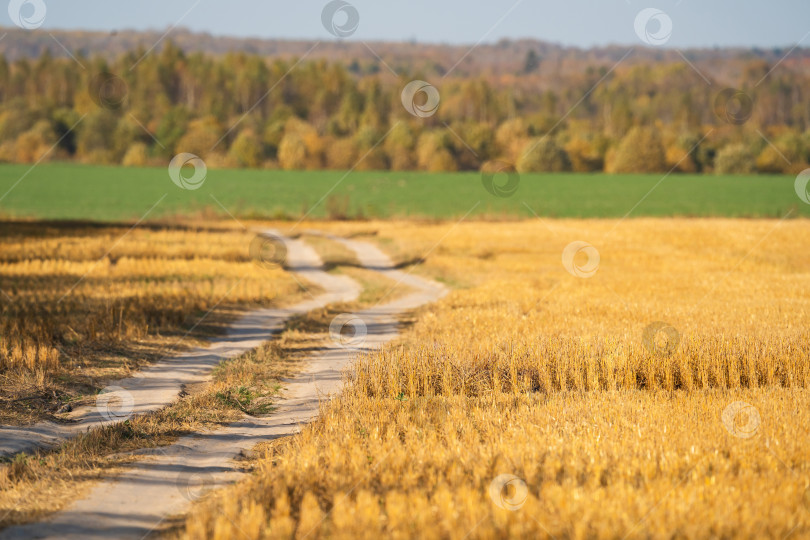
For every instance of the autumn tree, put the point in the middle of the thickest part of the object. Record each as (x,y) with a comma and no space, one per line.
(400,147)
(433,152)
(342,153)
(736,158)
(787,153)
(35,144)
(95,141)
(246,150)
(586,152)
(543,155)
(201,137)
(248,110)
(640,151)
(301,147)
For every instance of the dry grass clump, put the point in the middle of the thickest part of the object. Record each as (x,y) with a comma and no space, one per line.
(83,303)
(532,372)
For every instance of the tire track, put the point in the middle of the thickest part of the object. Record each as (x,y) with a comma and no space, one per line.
(136,502)
(160,384)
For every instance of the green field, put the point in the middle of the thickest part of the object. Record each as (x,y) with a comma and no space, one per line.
(70,191)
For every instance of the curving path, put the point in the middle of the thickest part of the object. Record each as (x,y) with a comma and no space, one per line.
(136,503)
(159,385)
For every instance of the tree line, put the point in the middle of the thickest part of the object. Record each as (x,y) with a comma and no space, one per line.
(245,110)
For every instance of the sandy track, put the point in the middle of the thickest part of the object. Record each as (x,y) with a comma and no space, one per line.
(160,384)
(136,502)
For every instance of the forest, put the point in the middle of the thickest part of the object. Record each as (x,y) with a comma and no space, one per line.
(247,110)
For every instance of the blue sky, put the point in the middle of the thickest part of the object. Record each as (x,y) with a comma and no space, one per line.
(695,23)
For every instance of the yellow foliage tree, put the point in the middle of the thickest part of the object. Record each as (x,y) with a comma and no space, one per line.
(341,154)
(246,150)
(35,144)
(136,156)
(433,154)
(301,147)
(201,137)
(586,154)
(640,151)
(543,155)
